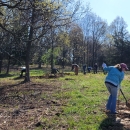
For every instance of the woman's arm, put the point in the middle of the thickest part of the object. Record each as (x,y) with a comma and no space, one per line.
(108,68)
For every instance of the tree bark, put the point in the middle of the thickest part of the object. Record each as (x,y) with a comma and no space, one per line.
(27,61)
(7,71)
(1,59)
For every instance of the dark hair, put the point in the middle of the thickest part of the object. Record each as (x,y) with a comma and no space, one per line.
(118,67)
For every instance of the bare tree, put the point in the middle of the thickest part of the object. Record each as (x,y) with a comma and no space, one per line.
(76,37)
(120,37)
(94,29)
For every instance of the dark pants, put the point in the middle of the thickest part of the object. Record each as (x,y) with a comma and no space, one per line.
(95,71)
(89,70)
(22,71)
(54,71)
(84,70)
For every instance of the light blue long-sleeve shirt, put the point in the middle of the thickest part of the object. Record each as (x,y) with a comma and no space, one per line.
(114,75)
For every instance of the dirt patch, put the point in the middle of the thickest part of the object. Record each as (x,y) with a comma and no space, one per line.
(124,115)
(120,121)
(22,106)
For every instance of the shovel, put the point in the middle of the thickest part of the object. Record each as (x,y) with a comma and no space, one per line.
(127,104)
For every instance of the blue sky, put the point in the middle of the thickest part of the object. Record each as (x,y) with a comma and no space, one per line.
(110,9)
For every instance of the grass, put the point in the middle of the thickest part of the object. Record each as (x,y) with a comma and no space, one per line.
(84,102)
(86,96)
(83,96)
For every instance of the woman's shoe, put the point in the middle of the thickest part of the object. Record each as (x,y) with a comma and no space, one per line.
(108,111)
(114,112)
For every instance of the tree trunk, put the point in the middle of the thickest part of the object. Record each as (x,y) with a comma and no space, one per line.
(27,75)
(39,59)
(52,49)
(7,71)
(39,65)
(1,59)
(27,61)
(63,60)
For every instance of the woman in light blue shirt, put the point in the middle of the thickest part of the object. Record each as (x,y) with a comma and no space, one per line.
(113,80)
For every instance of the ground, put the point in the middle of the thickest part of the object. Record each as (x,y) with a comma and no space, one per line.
(120,121)
(22,105)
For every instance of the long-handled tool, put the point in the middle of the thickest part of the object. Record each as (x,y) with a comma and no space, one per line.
(127,104)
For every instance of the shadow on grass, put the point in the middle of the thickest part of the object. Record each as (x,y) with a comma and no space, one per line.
(111,123)
(19,77)
(5,75)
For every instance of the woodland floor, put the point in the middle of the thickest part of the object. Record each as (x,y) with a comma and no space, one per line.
(22,106)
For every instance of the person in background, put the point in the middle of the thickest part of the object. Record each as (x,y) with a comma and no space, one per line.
(75,68)
(89,69)
(95,68)
(103,66)
(113,81)
(23,70)
(84,68)
(54,71)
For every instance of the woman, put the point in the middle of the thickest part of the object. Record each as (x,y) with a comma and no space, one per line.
(113,80)
(75,66)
